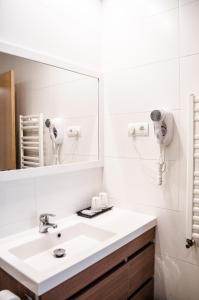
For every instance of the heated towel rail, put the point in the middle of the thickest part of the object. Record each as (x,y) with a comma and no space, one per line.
(192,233)
(31,141)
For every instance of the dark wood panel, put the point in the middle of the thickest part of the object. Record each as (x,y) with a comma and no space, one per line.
(146,293)
(10,283)
(7,122)
(114,286)
(81,280)
(141,268)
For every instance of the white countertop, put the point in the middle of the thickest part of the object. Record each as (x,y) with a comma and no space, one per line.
(126,226)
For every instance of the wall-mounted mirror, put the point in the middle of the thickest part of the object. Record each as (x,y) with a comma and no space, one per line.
(48,115)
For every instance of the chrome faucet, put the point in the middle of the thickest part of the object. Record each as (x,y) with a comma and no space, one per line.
(44,223)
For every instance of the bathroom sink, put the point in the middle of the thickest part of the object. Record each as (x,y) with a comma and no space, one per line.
(75,240)
(29,256)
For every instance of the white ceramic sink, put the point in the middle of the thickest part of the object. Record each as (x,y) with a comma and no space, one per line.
(76,240)
(28,256)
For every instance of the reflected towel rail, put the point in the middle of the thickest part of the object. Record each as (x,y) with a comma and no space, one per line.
(30,163)
(29,127)
(32,137)
(29,148)
(31,141)
(29,116)
(31,158)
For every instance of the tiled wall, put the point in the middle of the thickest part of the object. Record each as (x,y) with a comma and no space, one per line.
(151,61)
(22,201)
(69,30)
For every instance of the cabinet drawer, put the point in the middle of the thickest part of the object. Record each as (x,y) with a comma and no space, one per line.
(114,286)
(146,293)
(141,268)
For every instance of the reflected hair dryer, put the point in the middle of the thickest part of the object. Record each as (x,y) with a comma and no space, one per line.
(56,132)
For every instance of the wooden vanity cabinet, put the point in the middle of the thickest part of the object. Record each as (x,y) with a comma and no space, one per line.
(8,282)
(114,286)
(125,274)
(124,281)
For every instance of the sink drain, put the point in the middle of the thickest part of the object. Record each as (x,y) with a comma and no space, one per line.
(60,252)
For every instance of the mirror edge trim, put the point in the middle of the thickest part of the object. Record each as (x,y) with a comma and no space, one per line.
(56,61)
(48,170)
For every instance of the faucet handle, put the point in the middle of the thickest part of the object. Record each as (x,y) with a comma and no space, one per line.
(45,217)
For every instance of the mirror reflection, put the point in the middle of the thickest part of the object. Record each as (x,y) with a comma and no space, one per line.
(48,115)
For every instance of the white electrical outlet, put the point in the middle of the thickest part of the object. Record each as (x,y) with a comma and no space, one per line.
(74,131)
(138,129)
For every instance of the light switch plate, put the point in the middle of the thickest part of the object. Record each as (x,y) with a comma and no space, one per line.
(138,129)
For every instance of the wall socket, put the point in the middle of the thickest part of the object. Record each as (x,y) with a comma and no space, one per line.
(138,129)
(74,131)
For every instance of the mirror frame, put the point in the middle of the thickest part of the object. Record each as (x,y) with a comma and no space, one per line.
(26,53)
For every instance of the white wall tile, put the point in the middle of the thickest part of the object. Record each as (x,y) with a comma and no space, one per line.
(77,98)
(64,194)
(17,202)
(136,8)
(189,73)
(175,279)
(171,237)
(143,88)
(184,2)
(189,23)
(136,180)
(150,39)
(13,228)
(71,158)
(71,29)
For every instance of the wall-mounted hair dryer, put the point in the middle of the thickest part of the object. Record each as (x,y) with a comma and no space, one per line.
(163,129)
(56,131)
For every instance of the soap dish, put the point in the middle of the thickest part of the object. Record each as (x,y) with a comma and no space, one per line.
(94,214)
